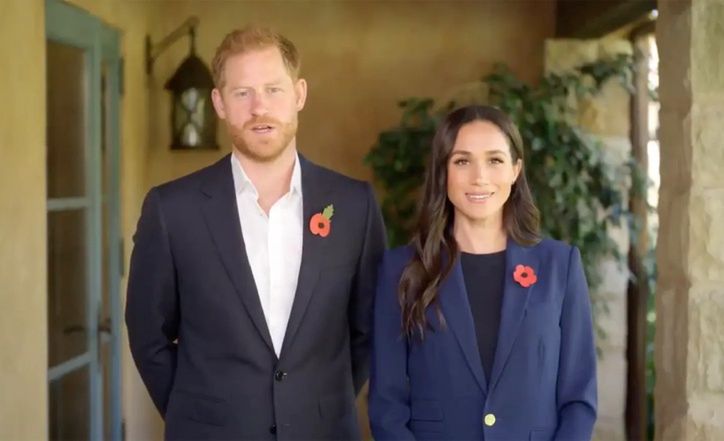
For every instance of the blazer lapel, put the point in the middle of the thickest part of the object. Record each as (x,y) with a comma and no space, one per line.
(222,219)
(515,302)
(456,307)
(314,200)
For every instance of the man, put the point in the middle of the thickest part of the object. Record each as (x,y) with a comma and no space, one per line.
(251,281)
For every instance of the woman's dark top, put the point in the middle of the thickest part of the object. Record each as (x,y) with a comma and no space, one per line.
(484,281)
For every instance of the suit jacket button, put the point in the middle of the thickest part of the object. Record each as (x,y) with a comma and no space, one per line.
(489,420)
(279,375)
(273,429)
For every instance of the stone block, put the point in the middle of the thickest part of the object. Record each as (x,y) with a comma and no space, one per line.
(614,325)
(616,149)
(614,46)
(607,112)
(705,417)
(614,279)
(609,429)
(672,242)
(562,55)
(675,146)
(708,156)
(611,396)
(621,237)
(707,50)
(706,235)
(706,345)
(673,36)
(671,341)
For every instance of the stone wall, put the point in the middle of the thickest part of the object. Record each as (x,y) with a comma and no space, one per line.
(689,347)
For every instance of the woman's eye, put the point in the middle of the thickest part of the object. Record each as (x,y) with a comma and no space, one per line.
(461,161)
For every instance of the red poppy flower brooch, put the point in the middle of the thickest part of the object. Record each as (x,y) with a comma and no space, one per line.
(321,223)
(524,275)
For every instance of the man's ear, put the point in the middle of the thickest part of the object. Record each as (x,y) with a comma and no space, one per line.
(300,91)
(218,102)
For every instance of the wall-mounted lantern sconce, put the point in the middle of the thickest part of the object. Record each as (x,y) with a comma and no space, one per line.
(193,121)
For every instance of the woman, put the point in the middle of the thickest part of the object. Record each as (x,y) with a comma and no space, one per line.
(481,329)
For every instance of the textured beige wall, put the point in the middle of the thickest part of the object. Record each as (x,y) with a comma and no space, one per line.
(689,346)
(23,348)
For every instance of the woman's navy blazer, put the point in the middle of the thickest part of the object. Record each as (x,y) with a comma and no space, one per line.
(543,380)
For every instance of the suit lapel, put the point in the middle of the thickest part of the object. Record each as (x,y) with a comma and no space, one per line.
(515,302)
(456,307)
(222,219)
(314,200)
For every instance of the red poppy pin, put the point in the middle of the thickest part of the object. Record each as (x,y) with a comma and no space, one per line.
(524,275)
(321,223)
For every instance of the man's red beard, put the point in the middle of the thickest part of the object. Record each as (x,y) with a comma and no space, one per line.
(260,149)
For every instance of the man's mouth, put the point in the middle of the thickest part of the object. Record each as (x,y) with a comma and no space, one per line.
(262,128)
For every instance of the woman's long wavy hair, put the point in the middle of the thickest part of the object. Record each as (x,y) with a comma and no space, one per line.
(435,248)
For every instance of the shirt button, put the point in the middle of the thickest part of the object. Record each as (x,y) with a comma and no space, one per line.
(489,420)
(279,375)
(273,429)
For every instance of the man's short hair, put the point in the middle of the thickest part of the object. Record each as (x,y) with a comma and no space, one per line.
(251,38)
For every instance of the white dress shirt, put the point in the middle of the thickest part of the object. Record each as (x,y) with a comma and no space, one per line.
(273,246)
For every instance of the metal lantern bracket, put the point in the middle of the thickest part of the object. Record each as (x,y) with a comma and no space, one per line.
(154,50)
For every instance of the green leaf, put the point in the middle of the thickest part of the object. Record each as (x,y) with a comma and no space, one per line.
(328,211)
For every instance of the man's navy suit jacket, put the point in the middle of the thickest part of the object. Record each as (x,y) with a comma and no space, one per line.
(196,327)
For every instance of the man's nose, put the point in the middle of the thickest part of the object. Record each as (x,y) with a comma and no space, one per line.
(259,105)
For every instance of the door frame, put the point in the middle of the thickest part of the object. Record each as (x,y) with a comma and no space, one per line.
(73,26)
